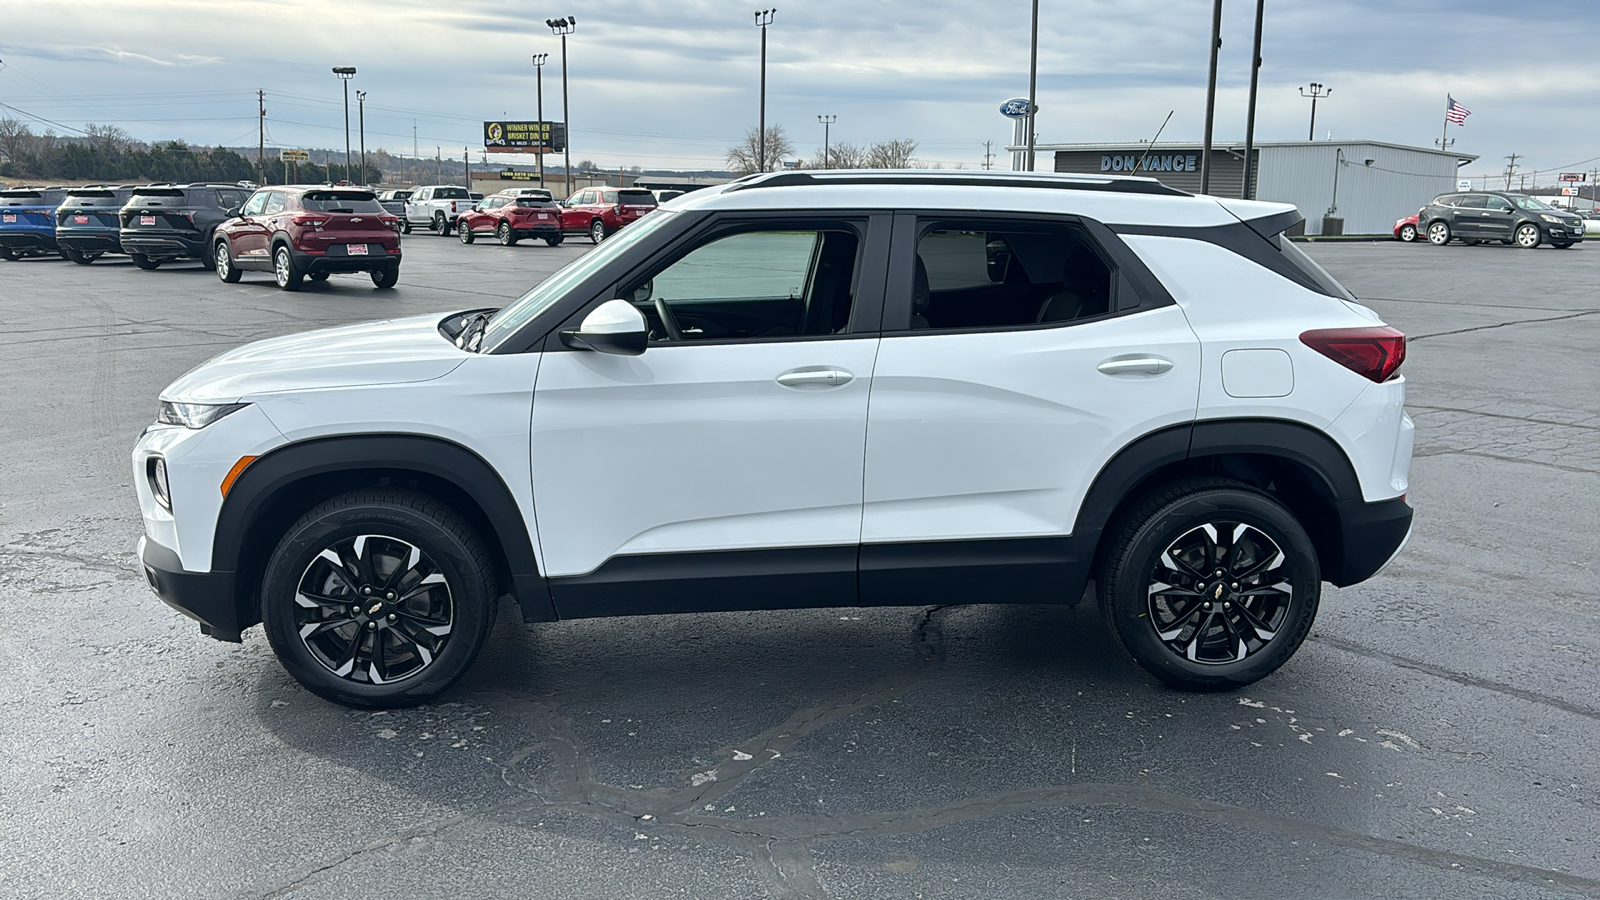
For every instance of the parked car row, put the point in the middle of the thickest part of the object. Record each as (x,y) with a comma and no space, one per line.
(1475,217)
(524,212)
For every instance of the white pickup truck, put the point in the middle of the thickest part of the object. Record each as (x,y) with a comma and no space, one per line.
(435,206)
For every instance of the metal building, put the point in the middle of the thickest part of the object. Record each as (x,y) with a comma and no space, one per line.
(1366,184)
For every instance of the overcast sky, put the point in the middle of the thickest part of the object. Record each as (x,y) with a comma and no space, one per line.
(673,84)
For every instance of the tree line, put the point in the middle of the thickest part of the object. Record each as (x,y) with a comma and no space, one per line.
(106,153)
(745,156)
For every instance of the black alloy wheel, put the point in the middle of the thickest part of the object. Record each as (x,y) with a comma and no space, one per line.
(146,262)
(1439,234)
(507,237)
(386,277)
(8,254)
(284,271)
(226,270)
(379,598)
(1210,584)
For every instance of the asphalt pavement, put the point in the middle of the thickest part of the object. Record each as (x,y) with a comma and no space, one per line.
(1434,737)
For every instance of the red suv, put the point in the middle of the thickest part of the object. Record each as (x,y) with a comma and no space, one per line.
(298,232)
(510,218)
(600,211)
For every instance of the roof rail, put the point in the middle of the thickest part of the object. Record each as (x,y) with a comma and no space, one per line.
(1057,181)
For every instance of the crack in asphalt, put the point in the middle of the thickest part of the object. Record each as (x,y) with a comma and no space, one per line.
(1458,677)
(1500,457)
(1423,337)
(1493,415)
(98,563)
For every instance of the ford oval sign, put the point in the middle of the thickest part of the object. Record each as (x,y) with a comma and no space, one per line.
(1015,108)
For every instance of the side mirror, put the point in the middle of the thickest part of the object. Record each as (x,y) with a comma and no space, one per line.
(642,294)
(232,213)
(614,326)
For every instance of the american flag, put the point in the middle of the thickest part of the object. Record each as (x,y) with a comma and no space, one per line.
(1455,112)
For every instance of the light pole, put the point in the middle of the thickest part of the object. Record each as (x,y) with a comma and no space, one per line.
(361,114)
(544,134)
(1250,117)
(827,122)
(763,19)
(1211,96)
(563,27)
(1033,81)
(346,73)
(1317,93)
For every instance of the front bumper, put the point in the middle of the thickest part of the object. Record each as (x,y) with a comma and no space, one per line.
(1560,234)
(1370,536)
(164,246)
(207,597)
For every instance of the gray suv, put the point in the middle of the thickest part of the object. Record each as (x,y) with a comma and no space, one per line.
(1479,216)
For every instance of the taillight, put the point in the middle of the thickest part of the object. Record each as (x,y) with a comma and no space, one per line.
(315,221)
(391,221)
(1374,353)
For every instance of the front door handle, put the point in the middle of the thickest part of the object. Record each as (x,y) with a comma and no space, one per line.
(1141,365)
(818,376)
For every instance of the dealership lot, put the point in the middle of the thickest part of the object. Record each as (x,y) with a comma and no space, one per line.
(1433,736)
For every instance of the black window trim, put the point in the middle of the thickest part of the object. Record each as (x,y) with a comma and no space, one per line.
(866,309)
(1102,241)
(1241,239)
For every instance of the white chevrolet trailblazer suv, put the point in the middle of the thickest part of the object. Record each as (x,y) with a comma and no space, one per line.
(808,390)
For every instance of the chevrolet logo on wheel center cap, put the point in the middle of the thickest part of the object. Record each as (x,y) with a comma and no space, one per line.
(374,609)
(1217,594)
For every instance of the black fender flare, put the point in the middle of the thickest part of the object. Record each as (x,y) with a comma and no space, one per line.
(264,480)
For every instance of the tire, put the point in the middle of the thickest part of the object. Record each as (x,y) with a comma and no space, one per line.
(1174,634)
(77,256)
(1561,246)
(386,277)
(319,276)
(8,254)
(555,240)
(226,270)
(145,262)
(1439,233)
(384,647)
(1408,233)
(597,231)
(1471,242)
(1527,236)
(405,225)
(441,225)
(508,237)
(464,233)
(283,269)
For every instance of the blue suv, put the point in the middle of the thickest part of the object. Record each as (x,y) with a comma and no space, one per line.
(28,221)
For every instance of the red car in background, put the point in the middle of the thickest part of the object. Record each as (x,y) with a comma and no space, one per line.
(600,212)
(1406,229)
(512,217)
(299,231)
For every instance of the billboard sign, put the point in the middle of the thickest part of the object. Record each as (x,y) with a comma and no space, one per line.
(1571,176)
(1463,184)
(513,175)
(294,155)
(524,137)
(1569,192)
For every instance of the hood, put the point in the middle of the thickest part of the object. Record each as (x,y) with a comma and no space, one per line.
(390,352)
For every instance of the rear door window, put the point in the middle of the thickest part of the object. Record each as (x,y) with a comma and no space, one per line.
(983,278)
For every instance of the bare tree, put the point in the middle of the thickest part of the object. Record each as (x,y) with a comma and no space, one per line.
(892,154)
(108,140)
(840,156)
(16,139)
(743,155)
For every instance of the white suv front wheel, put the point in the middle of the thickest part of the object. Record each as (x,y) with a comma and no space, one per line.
(379,599)
(1210,584)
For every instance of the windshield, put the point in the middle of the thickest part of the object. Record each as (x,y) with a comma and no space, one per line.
(506,322)
(330,202)
(1529,203)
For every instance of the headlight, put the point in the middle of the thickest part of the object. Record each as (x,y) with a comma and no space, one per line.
(1551,219)
(195,415)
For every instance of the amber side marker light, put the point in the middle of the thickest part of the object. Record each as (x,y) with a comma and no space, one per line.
(234,473)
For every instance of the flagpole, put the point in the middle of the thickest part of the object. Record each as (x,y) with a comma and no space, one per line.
(1449,103)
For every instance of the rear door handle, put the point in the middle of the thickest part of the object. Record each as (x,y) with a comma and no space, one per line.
(1141,365)
(815,376)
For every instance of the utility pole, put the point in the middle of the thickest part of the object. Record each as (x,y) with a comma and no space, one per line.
(1246,190)
(1317,93)
(763,19)
(1211,96)
(827,123)
(563,27)
(466,168)
(416,159)
(1511,168)
(544,130)
(438,163)
(1033,82)
(988,155)
(261,139)
(361,110)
